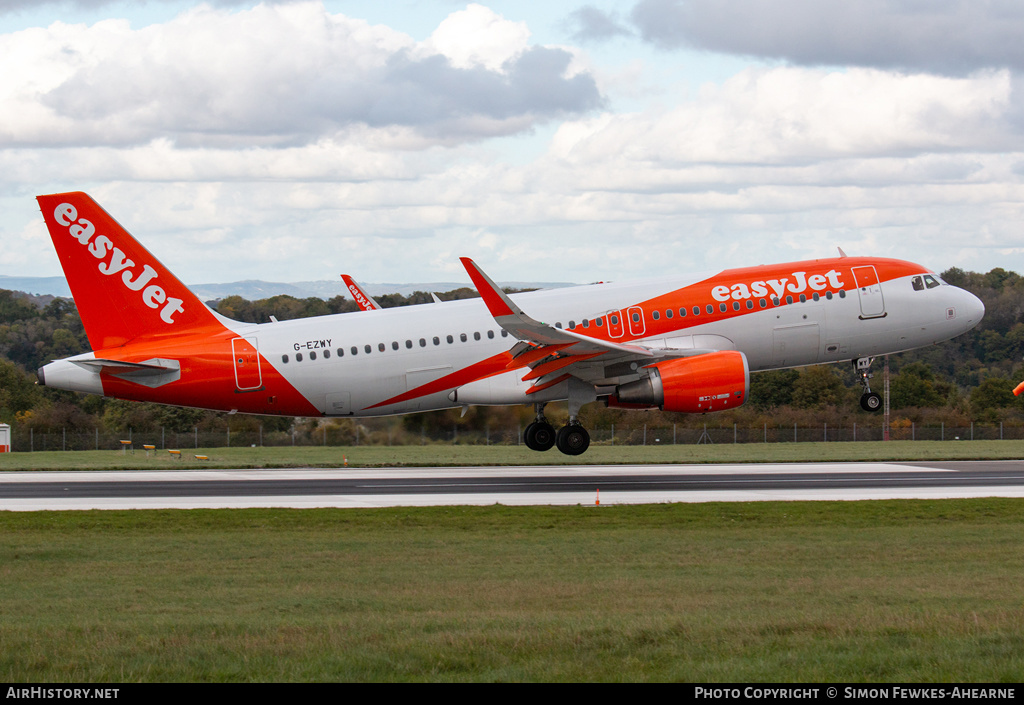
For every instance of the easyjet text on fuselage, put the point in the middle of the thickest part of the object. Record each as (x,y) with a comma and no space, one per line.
(795,283)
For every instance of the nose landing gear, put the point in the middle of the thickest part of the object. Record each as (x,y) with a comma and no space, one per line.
(869,401)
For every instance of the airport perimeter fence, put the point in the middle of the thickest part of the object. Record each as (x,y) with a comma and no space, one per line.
(31,440)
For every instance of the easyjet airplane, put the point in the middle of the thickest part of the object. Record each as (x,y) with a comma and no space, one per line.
(686,343)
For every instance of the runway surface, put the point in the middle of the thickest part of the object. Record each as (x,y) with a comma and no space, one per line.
(520,485)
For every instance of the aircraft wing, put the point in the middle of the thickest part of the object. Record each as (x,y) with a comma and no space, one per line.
(553,353)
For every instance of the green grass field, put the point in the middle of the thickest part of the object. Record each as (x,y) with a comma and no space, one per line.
(441,455)
(883,591)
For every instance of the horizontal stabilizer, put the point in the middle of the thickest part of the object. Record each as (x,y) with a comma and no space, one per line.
(151,373)
(120,367)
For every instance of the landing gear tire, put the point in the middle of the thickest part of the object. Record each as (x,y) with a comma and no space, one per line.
(573,439)
(871,402)
(539,435)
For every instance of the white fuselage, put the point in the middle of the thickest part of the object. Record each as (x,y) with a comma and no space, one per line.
(345,364)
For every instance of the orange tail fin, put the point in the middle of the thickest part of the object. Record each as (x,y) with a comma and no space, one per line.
(121,290)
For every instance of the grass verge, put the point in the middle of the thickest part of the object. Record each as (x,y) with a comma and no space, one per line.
(897,591)
(444,455)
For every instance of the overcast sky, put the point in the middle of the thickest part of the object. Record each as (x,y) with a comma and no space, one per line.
(555,141)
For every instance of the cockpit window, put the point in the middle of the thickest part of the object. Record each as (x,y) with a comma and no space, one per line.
(926,281)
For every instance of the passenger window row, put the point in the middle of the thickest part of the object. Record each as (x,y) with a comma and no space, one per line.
(381,347)
(599,321)
(710,308)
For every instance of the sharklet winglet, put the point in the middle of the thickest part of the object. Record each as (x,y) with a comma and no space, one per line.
(362,299)
(520,325)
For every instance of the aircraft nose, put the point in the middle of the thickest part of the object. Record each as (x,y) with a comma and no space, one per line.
(972,309)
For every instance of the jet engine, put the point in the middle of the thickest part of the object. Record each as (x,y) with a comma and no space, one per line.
(710,382)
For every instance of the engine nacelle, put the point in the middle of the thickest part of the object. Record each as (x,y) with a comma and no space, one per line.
(698,384)
(613,402)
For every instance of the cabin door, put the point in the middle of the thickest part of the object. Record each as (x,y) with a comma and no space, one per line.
(869,289)
(246,358)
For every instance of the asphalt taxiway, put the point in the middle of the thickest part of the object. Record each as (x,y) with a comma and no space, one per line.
(519,485)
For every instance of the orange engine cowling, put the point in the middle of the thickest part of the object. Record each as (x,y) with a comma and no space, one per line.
(710,382)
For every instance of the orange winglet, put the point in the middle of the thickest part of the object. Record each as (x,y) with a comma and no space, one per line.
(495,299)
(1018,389)
(362,299)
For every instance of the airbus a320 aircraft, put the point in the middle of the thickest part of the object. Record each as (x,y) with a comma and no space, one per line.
(686,343)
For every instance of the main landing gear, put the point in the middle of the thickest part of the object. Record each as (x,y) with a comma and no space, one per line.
(869,401)
(571,439)
(539,435)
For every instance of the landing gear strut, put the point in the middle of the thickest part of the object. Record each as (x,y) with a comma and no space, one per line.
(571,439)
(869,401)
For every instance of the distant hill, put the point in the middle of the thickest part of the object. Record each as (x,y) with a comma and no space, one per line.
(254,290)
(52,286)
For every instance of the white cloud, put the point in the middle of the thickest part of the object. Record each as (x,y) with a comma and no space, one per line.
(278,75)
(792,115)
(287,143)
(478,36)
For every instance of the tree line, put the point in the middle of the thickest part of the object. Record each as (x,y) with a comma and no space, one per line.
(966,380)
